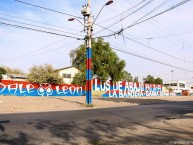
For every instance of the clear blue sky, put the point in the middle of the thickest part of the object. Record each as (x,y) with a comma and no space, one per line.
(23,48)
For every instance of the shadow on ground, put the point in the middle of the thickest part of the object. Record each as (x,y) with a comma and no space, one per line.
(112,126)
(20,139)
(1,126)
(135,100)
(102,132)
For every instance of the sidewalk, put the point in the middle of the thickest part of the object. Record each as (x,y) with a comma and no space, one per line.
(13,104)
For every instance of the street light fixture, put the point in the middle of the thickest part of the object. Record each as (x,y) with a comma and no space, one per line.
(109,2)
(72,19)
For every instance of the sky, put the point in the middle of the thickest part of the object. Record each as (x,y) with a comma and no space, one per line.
(167,38)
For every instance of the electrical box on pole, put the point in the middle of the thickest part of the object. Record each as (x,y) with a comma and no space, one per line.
(85,10)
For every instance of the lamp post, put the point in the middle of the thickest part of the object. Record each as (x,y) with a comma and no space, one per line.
(148,39)
(172,78)
(86,11)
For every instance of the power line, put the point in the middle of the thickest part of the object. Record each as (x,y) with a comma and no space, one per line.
(134,11)
(40,26)
(44,52)
(157,50)
(37,30)
(123,12)
(149,46)
(127,16)
(48,9)
(159,36)
(153,24)
(156,8)
(7,32)
(150,59)
(42,48)
(171,35)
(38,22)
(169,9)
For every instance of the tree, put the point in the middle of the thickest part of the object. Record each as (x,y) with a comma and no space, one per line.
(13,70)
(127,77)
(149,79)
(44,74)
(79,79)
(158,81)
(106,63)
(135,79)
(2,72)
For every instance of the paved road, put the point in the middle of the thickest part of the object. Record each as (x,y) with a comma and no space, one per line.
(144,124)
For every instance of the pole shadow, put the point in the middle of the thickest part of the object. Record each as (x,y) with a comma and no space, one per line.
(2,128)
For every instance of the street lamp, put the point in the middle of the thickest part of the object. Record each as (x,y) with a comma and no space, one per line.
(72,19)
(108,3)
(192,82)
(172,78)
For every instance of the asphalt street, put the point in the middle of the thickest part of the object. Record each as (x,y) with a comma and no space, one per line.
(143,124)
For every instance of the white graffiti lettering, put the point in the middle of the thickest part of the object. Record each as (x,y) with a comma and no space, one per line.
(129,89)
(44,89)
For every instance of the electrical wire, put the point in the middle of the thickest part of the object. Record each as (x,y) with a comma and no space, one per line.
(159,36)
(123,12)
(151,47)
(42,48)
(156,8)
(158,50)
(171,35)
(126,16)
(169,9)
(44,52)
(39,26)
(37,22)
(150,59)
(48,9)
(37,30)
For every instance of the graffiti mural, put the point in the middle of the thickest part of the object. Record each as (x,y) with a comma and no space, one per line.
(18,88)
(128,89)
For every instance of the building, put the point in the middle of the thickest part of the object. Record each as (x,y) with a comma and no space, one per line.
(15,77)
(176,86)
(68,73)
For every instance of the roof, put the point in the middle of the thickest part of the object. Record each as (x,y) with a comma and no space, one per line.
(17,76)
(174,81)
(66,68)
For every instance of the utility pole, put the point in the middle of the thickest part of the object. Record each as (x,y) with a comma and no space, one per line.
(86,11)
(89,58)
